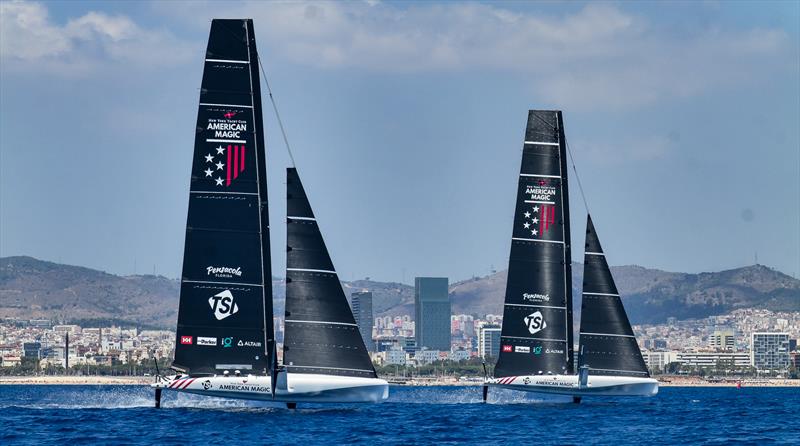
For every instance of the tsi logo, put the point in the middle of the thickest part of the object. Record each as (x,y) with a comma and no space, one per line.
(535,322)
(223,305)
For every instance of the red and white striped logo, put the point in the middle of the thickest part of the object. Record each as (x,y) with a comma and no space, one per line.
(181,383)
(186,340)
(506,380)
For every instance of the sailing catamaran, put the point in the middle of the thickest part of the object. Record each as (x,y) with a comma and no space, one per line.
(536,353)
(225,339)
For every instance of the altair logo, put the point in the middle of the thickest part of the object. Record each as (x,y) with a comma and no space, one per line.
(535,322)
(222,305)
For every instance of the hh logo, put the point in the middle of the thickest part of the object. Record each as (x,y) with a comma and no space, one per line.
(508,348)
(222,305)
(535,322)
(186,340)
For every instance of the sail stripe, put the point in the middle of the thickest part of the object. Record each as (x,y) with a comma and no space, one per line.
(539,175)
(228,61)
(301,218)
(241,165)
(594,253)
(608,334)
(221,192)
(226,140)
(541,143)
(307,270)
(321,322)
(540,202)
(226,105)
(601,294)
(211,282)
(535,240)
(537,306)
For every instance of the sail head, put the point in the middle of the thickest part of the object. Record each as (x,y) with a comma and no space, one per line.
(607,343)
(225,309)
(536,336)
(321,335)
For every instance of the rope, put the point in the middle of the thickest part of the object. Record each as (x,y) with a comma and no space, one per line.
(275,108)
(569,152)
(574,169)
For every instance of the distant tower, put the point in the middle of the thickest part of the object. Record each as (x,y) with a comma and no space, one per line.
(432,313)
(362,311)
(66,352)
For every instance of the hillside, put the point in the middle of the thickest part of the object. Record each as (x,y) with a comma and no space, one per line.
(31,288)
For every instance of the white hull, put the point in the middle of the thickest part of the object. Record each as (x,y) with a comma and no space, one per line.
(569,385)
(290,388)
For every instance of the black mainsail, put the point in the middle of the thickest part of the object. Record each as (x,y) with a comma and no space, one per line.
(225,312)
(321,335)
(607,343)
(537,316)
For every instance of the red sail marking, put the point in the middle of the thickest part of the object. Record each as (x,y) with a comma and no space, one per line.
(187,383)
(241,161)
(235,162)
(552,215)
(229,166)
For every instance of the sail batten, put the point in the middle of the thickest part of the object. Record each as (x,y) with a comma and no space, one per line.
(321,335)
(536,336)
(607,343)
(225,310)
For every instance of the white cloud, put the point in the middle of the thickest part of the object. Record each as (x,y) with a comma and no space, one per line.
(597,57)
(31,42)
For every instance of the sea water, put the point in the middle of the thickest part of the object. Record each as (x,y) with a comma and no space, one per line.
(42,414)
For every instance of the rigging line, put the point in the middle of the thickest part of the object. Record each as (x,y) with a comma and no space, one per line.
(577,177)
(275,107)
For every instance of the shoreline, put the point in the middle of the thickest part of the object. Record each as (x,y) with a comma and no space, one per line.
(146,380)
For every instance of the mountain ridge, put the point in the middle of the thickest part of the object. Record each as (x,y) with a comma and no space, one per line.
(32,288)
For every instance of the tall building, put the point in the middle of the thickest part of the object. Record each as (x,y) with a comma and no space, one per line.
(489,341)
(723,340)
(769,351)
(432,311)
(362,310)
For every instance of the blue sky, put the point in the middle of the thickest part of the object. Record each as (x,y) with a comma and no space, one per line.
(406,121)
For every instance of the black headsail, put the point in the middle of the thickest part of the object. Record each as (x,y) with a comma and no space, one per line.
(321,335)
(225,312)
(537,316)
(607,343)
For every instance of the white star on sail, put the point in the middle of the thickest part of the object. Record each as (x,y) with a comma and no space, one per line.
(209,172)
(536,209)
(535,220)
(219,181)
(220,150)
(527,215)
(209,158)
(526,225)
(534,232)
(220,166)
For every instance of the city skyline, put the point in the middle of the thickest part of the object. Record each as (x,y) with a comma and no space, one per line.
(396,135)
